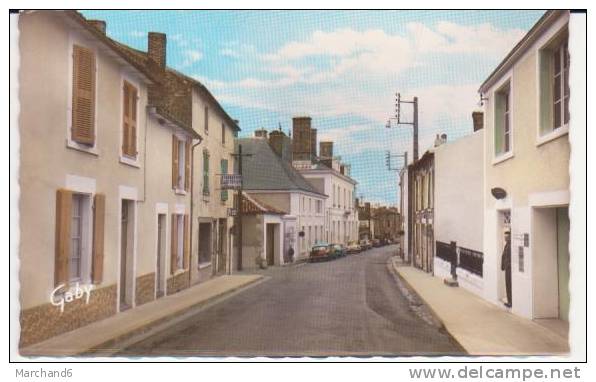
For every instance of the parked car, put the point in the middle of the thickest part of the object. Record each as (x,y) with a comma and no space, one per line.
(353,247)
(319,252)
(336,250)
(365,244)
(376,243)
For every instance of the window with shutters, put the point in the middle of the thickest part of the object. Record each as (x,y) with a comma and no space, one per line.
(83,107)
(224,170)
(130,95)
(79,239)
(205,172)
(223,134)
(180,164)
(206,122)
(180,239)
(554,91)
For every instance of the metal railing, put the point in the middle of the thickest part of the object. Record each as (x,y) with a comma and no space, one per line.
(465,258)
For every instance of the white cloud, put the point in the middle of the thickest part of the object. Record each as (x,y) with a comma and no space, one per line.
(191,56)
(448,37)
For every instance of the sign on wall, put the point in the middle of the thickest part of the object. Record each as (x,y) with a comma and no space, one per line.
(231,181)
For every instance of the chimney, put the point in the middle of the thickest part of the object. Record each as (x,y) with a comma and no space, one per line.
(261,133)
(301,141)
(281,144)
(99,24)
(313,143)
(326,150)
(156,48)
(478,119)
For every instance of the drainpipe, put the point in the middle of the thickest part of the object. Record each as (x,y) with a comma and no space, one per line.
(192,195)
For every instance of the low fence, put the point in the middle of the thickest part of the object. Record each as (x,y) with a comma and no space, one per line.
(465,258)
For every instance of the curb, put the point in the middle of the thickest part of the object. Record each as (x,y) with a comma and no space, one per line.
(436,317)
(110,346)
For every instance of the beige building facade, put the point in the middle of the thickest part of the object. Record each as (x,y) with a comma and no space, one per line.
(526,170)
(108,135)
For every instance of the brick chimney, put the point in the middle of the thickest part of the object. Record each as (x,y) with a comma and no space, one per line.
(478,119)
(301,141)
(326,149)
(313,143)
(156,48)
(281,144)
(261,133)
(98,24)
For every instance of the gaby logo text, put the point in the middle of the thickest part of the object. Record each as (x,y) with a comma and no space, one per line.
(59,298)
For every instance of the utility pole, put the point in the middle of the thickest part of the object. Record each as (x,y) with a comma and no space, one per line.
(238,217)
(414,123)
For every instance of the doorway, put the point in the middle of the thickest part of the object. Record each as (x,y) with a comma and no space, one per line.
(222,254)
(161,255)
(127,219)
(550,228)
(503,224)
(270,244)
(205,243)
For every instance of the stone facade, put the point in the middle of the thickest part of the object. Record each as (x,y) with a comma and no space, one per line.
(145,289)
(177,283)
(44,321)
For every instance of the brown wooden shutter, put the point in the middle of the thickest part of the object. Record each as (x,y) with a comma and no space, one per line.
(186,242)
(99,209)
(187,162)
(129,120)
(83,95)
(174,162)
(174,244)
(62,240)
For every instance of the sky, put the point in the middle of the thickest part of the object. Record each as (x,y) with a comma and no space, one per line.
(342,68)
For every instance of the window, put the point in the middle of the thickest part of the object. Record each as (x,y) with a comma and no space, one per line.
(309,205)
(554,85)
(503,120)
(318,206)
(560,86)
(180,242)
(76,238)
(180,164)
(223,134)
(224,170)
(83,96)
(206,114)
(129,120)
(334,195)
(205,172)
(303,204)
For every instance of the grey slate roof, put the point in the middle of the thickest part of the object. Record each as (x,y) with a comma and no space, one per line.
(264,170)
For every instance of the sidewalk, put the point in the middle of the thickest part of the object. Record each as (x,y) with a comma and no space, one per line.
(479,326)
(135,321)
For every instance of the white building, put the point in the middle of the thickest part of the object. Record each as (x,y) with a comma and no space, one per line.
(458,211)
(331,177)
(270,179)
(526,167)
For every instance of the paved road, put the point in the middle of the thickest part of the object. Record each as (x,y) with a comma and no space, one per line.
(348,306)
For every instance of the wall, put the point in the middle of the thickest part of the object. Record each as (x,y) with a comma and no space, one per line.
(535,175)
(209,206)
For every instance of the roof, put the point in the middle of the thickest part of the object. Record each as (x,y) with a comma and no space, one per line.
(323,167)
(171,92)
(252,206)
(543,23)
(266,171)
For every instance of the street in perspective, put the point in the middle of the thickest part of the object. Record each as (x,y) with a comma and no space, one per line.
(343,184)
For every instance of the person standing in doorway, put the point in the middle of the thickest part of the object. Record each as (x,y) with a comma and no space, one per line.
(506,265)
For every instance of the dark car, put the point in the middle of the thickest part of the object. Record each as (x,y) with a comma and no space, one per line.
(336,250)
(319,252)
(376,243)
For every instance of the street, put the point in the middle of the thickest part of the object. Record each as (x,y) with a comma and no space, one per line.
(348,306)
